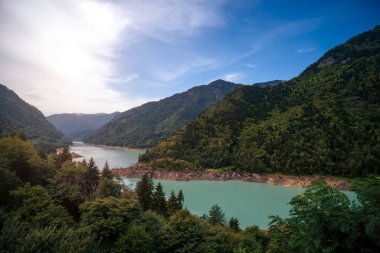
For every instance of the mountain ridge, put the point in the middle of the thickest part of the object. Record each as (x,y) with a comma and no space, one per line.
(156,120)
(18,116)
(76,126)
(326,120)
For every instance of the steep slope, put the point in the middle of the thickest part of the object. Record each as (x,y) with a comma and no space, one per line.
(76,126)
(145,125)
(20,117)
(327,120)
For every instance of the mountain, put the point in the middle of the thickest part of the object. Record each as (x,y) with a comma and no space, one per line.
(76,126)
(326,120)
(145,125)
(20,117)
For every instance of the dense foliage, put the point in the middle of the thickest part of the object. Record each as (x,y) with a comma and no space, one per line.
(323,220)
(20,117)
(52,204)
(72,207)
(326,120)
(76,126)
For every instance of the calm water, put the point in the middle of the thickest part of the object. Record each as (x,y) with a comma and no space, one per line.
(251,203)
(115,157)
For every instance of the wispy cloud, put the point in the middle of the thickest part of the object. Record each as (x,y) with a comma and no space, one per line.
(65,56)
(250,65)
(124,80)
(233,77)
(305,50)
(269,36)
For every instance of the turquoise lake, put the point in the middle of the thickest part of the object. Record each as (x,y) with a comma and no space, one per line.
(251,203)
(116,157)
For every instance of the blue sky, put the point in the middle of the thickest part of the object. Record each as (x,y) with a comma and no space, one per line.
(101,56)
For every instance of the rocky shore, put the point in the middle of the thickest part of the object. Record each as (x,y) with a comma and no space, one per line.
(139,169)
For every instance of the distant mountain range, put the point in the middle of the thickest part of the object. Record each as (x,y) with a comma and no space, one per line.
(76,126)
(146,125)
(326,120)
(17,116)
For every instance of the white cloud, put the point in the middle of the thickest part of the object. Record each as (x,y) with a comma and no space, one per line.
(126,79)
(64,56)
(233,77)
(301,51)
(251,66)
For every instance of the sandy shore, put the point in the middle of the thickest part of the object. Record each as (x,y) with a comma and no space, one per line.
(138,170)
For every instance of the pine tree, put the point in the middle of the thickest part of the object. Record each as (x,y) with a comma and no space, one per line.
(144,190)
(234,224)
(92,178)
(106,172)
(62,157)
(159,201)
(172,203)
(180,199)
(216,215)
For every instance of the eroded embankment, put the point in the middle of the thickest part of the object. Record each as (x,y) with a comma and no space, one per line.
(139,169)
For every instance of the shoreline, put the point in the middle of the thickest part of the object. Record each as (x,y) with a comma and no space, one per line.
(138,170)
(114,147)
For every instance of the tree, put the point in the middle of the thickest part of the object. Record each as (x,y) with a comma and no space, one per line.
(8,181)
(319,222)
(62,157)
(136,240)
(37,207)
(173,203)
(159,201)
(183,233)
(216,215)
(234,224)
(180,199)
(18,236)
(109,218)
(106,172)
(367,214)
(144,190)
(22,158)
(253,238)
(110,187)
(68,186)
(92,179)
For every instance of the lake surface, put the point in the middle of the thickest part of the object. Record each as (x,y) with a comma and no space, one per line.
(251,203)
(116,157)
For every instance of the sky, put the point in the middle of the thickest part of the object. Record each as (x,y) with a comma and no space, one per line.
(90,56)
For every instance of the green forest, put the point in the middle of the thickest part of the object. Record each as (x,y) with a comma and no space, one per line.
(48,203)
(17,116)
(325,121)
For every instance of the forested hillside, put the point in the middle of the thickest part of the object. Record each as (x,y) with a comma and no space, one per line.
(76,126)
(145,125)
(49,203)
(326,120)
(17,116)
